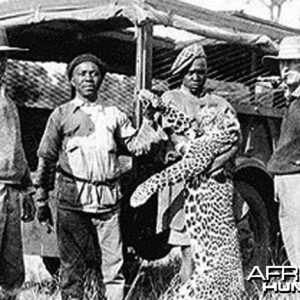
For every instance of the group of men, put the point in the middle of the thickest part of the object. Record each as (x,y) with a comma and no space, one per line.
(81,142)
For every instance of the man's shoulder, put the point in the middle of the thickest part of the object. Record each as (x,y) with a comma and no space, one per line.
(114,114)
(71,104)
(112,110)
(214,98)
(63,110)
(111,107)
(172,93)
(173,96)
(217,100)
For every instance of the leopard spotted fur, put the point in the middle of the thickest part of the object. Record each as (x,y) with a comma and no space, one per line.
(208,209)
(216,133)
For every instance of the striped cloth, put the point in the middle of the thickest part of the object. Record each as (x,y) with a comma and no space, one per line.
(186,57)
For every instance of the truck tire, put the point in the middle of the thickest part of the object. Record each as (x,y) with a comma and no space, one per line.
(253,228)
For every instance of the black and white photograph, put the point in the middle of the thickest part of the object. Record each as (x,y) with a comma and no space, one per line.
(149,150)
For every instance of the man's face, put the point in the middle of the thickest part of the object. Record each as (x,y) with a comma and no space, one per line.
(195,77)
(86,80)
(290,72)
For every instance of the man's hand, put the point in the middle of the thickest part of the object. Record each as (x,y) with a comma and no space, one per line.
(29,209)
(291,78)
(221,160)
(151,103)
(44,214)
(181,143)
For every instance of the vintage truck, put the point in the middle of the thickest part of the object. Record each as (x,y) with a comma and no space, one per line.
(139,40)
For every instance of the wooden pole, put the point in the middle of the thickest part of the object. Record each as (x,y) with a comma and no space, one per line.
(143,75)
(143,64)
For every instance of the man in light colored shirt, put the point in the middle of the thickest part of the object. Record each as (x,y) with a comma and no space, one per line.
(15,185)
(190,98)
(82,137)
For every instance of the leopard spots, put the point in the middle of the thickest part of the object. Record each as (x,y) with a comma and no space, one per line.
(208,208)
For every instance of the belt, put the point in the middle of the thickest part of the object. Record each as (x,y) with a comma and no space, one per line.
(108,182)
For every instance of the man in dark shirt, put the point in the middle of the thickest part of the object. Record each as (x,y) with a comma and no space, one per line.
(15,185)
(285,162)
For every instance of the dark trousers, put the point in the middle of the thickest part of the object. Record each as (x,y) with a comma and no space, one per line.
(11,249)
(83,238)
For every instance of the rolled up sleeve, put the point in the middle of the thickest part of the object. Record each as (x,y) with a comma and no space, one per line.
(48,154)
(51,140)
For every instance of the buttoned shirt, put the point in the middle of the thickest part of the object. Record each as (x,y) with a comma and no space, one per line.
(83,138)
(286,157)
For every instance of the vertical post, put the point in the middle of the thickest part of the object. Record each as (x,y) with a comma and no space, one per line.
(143,64)
(143,73)
(253,71)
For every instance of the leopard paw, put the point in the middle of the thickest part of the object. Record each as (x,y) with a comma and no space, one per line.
(138,198)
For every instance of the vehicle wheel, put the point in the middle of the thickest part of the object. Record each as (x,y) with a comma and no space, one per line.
(253,228)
